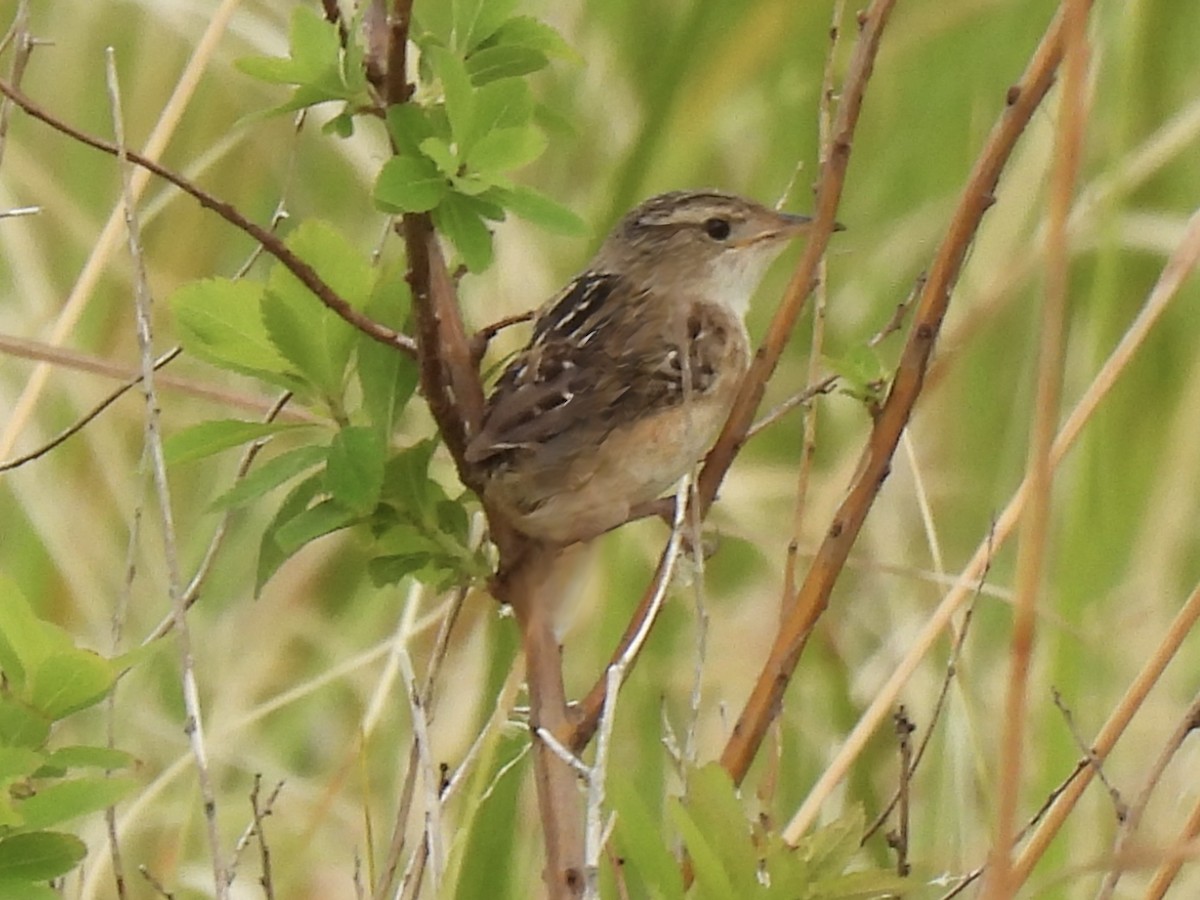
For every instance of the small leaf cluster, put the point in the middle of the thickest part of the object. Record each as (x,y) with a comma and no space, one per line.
(345,473)
(732,859)
(469,125)
(472,125)
(320,69)
(44,678)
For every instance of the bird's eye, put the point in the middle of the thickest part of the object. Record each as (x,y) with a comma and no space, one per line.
(717,229)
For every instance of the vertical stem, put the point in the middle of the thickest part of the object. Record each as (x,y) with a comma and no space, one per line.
(528,587)
(1035,526)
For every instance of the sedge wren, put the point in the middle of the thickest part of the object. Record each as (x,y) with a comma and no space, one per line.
(632,367)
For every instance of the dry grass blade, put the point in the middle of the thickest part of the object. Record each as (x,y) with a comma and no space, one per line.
(1035,524)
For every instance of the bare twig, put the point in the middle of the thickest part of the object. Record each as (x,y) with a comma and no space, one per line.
(1189,722)
(951,672)
(83,421)
(429,776)
(260,814)
(251,829)
(155,884)
(898,839)
(193,726)
(824,386)
(481,338)
(1107,737)
(19,36)
(270,242)
(1119,805)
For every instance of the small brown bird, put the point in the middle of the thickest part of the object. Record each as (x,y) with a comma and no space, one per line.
(632,367)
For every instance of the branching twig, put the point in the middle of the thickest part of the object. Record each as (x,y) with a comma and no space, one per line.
(1120,808)
(193,726)
(260,813)
(83,421)
(270,242)
(1189,722)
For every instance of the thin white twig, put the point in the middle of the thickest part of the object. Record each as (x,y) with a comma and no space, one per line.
(565,755)
(596,774)
(429,775)
(193,725)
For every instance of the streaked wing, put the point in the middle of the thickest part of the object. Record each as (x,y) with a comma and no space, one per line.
(598,358)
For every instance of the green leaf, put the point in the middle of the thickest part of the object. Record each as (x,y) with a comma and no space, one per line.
(25,640)
(502,104)
(20,726)
(712,803)
(490,63)
(505,149)
(315,339)
(386,376)
(21,889)
(69,681)
(314,50)
(459,221)
(388,570)
(354,472)
(67,800)
(270,475)
(639,838)
(408,125)
(17,763)
(435,18)
(477,20)
(831,848)
(270,555)
(533,34)
(39,856)
(409,184)
(317,521)
(206,438)
(456,86)
(220,321)
(438,150)
(407,484)
(87,757)
(539,209)
(341,125)
(711,877)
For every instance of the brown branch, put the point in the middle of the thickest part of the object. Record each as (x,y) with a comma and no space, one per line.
(829,193)
(893,416)
(449,378)
(529,588)
(451,385)
(270,242)
(396,86)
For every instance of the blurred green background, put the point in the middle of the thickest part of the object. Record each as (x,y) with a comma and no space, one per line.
(297,684)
